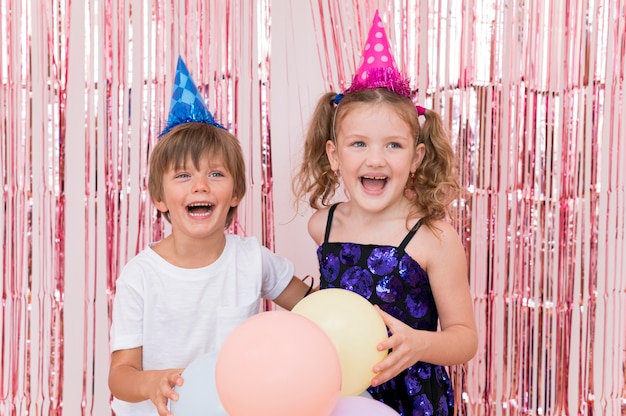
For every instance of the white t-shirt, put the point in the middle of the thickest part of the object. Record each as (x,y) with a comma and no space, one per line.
(177,314)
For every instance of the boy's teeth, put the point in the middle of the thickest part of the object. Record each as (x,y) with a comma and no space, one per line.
(199,209)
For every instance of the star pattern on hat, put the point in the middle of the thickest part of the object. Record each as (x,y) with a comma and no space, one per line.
(187,105)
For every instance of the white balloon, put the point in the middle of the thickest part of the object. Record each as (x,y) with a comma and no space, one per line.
(366,394)
(361,406)
(198,394)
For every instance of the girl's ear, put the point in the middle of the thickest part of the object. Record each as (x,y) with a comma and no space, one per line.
(331,152)
(420,151)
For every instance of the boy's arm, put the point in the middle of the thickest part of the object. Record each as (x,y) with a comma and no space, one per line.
(294,293)
(128,382)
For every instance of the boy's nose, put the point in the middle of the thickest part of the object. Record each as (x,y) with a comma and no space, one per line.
(201,185)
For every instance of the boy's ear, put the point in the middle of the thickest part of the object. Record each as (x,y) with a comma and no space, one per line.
(331,153)
(161,206)
(234,201)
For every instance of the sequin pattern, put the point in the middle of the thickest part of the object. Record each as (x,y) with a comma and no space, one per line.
(390,278)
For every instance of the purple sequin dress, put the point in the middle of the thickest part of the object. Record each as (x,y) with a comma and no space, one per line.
(390,278)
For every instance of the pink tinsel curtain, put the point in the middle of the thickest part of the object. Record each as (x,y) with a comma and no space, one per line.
(533,96)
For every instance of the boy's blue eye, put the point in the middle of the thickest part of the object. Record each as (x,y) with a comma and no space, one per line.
(216,174)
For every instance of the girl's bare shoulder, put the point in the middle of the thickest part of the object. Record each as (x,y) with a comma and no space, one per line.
(434,242)
(317,224)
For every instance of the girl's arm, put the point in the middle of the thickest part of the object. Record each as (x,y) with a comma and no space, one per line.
(128,382)
(457,341)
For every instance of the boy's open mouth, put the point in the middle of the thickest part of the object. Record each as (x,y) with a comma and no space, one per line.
(200,209)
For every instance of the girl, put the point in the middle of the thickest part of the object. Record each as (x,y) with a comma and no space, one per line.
(390,241)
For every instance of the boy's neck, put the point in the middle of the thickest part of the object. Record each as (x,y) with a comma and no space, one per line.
(190,254)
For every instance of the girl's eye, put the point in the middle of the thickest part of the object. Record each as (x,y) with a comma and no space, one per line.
(358,144)
(395,145)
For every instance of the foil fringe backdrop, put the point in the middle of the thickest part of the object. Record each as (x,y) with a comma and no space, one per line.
(533,96)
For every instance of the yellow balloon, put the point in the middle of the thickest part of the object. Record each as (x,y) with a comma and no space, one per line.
(355,328)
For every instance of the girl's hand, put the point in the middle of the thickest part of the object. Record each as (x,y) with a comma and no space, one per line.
(162,385)
(405,346)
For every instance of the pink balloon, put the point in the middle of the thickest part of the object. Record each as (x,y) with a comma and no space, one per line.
(278,363)
(360,406)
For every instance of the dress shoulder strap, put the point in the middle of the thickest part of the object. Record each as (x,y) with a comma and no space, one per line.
(329,221)
(410,235)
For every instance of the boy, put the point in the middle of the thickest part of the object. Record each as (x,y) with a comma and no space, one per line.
(180,297)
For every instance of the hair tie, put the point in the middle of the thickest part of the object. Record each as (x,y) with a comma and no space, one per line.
(420,110)
(311,286)
(337,98)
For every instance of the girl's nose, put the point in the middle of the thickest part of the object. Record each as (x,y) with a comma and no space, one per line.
(375,158)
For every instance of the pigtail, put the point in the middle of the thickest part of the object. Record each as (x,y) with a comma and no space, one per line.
(435,182)
(315,178)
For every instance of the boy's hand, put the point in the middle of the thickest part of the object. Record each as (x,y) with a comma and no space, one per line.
(163,383)
(129,382)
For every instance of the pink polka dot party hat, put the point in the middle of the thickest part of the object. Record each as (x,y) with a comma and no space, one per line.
(378,68)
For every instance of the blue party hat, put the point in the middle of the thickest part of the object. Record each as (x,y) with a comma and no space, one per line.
(187,105)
